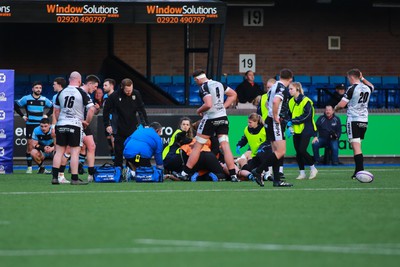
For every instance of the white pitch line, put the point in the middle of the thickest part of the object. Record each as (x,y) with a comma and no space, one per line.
(198,191)
(188,246)
(95,251)
(346,249)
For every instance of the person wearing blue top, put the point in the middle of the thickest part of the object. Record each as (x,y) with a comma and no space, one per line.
(144,144)
(43,145)
(34,105)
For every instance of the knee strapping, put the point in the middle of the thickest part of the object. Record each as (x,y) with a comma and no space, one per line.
(201,140)
(223,138)
(355,140)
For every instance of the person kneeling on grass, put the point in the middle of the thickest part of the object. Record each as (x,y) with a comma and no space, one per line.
(141,146)
(43,145)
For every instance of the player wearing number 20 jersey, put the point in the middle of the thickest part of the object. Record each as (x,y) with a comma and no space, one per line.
(72,102)
(357,98)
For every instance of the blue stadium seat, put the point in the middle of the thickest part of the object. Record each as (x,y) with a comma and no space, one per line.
(320,80)
(178,79)
(162,79)
(375,80)
(221,79)
(313,95)
(390,82)
(234,80)
(164,82)
(375,100)
(194,100)
(336,80)
(258,79)
(303,79)
(393,98)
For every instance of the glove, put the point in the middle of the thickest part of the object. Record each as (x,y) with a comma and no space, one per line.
(238,150)
(289,132)
(289,124)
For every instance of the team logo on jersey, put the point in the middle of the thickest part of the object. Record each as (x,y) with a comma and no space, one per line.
(133,97)
(3,78)
(3,96)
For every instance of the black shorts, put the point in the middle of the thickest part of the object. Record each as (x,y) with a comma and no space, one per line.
(356,129)
(275,131)
(87,131)
(69,135)
(29,130)
(216,126)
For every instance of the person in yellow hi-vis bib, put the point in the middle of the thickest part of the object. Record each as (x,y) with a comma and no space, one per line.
(302,127)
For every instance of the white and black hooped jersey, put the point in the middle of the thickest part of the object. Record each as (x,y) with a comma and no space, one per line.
(357,98)
(72,102)
(217,91)
(278,90)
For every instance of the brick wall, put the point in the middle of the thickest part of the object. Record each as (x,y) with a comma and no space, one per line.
(370,40)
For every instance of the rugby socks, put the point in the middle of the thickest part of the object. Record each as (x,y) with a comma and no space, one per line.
(91,170)
(55,171)
(275,168)
(74,177)
(280,161)
(62,168)
(186,171)
(359,160)
(28,159)
(82,158)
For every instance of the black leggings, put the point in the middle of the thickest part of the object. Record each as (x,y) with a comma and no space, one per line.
(301,143)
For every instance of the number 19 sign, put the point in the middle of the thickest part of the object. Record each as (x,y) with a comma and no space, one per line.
(247,62)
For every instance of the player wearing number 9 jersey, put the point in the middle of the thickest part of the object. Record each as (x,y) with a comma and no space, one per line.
(356,98)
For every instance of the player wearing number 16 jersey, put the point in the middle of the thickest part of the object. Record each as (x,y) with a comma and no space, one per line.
(69,110)
(356,98)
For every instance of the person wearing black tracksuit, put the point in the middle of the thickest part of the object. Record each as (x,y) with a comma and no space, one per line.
(126,103)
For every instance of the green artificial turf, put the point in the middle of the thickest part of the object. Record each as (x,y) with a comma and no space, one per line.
(329,221)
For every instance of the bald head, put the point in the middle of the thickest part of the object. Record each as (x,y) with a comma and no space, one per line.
(75,79)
